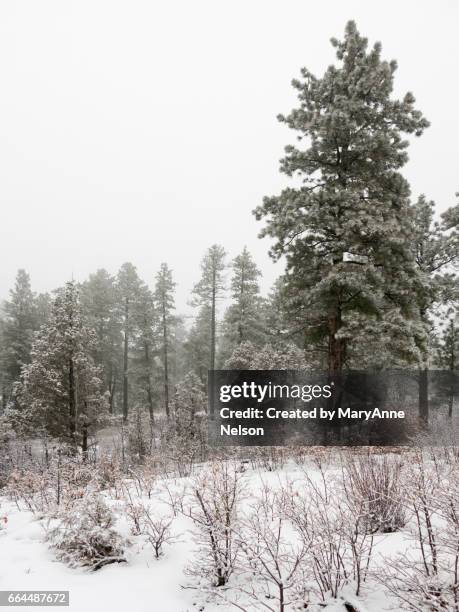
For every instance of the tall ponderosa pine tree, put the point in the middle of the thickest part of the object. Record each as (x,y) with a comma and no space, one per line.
(128,287)
(145,322)
(435,251)
(346,230)
(244,317)
(209,289)
(61,390)
(17,329)
(165,305)
(198,343)
(447,358)
(98,297)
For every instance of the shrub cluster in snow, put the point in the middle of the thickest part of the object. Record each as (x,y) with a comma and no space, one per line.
(83,535)
(268,533)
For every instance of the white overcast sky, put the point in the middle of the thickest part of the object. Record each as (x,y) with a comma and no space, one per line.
(145,130)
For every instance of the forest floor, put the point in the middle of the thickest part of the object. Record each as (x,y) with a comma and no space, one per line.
(145,584)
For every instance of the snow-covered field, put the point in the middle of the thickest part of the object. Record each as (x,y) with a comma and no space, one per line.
(144,583)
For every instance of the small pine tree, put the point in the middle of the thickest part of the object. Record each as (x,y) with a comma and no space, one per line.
(85,536)
(209,289)
(446,357)
(187,432)
(243,319)
(17,329)
(61,390)
(198,342)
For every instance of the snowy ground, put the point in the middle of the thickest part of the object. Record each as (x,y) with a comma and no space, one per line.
(143,583)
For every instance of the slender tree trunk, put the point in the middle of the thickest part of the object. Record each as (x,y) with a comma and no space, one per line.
(110,388)
(149,393)
(84,441)
(423,386)
(212,325)
(452,367)
(424,395)
(4,395)
(125,362)
(165,357)
(72,401)
(336,346)
(241,309)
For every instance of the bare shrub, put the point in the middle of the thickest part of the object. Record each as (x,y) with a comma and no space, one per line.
(268,458)
(145,477)
(215,495)
(155,527)
(108,474)
(176,494)
(426,577)
(31,489)
(373,485)
(271,564)
(338,550)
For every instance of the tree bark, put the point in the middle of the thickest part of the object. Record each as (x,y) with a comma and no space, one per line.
(212,324)
(424,395)
(125,362)
(336,346)
(166,357)
(149,393)
(72,401)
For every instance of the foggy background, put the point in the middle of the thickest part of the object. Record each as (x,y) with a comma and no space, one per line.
(146,131)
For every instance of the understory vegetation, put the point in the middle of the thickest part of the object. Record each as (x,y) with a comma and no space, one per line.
(299,531)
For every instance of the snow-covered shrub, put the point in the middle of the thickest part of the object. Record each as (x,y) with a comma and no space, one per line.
(184,439)
(155,528)
(269,458)
(33,489)
(108,473)
(426,576)
(43,489)
(373,486)
(338,550)
(7,441)
(140,435)
(3,519)
(145,477)
(216,492)
(271,563)
(83,535)
(176,492)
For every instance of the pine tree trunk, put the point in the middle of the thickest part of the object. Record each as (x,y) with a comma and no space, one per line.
(125,362)
(452,367)
(110,389)
(241,312)
(423,380)
(212,326)
(3,397)
(72,401)
(336,346)
(84,442)
(149,393)
(166,356)
(424,395)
